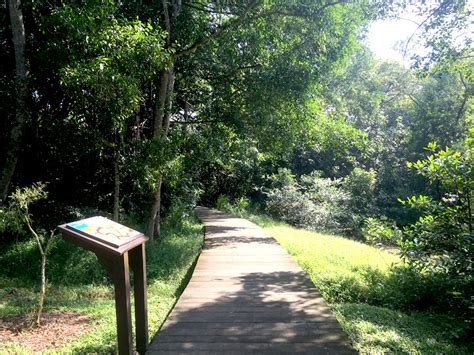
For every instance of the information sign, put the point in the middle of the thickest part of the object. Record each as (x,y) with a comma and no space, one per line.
(105,230)
(118,248)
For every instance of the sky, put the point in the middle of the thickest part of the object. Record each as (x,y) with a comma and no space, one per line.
(384,34)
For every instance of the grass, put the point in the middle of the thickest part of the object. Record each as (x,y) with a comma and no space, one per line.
(375,297)
(85,288)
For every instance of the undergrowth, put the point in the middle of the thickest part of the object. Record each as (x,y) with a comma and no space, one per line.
(78,283)
(384,306)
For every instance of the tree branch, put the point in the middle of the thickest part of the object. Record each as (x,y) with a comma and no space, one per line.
(207,10)
(195,122)
(38,240)
(419,26)
(305,15)
(166,15)
(49,243)
(465,97)
(220,30)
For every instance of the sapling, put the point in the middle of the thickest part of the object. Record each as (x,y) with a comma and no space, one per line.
(21,200)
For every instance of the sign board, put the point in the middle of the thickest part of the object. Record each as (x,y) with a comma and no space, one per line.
(118,248)
(100,234)
(104,230)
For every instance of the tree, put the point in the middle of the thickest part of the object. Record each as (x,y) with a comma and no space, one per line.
(105,84)
(251,64)
(401,112)
(444,31)
(442,239)
(440,111)
(21,94)
(21,200)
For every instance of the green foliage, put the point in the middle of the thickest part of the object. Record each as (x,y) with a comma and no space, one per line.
(442,238)
(361,186)
(335,146)
(311,201)
(105,80)
(381,231)
(444,33)
(238,208)
(10,224)
(318,203)
(108,60)
(376,297)
(223,203)
(86,289)
(18,214)
(377,330)
(20,203)
(400,112)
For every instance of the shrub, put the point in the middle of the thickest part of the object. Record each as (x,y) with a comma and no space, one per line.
(442,238)
(239,207)
(223,203)
(292,206)
(311,201)
(360,184)
(441,241)
(381,231)
(20,203)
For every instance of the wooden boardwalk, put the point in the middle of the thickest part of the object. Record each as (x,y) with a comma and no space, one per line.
(247,295)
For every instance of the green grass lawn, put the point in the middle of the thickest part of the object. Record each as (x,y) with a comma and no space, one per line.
(371,293)
(77,283)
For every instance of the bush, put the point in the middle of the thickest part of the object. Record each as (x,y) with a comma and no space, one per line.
(292,206)
(441,241)
(311,202)
(223,203)
(360,185)
(442,238)
(239,207)
(381,231)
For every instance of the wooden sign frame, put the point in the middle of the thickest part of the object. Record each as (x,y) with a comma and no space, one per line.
(117,261)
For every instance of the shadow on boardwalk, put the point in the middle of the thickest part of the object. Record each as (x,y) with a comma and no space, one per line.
(248,296)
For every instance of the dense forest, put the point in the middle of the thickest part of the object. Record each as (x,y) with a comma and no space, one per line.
(141,110)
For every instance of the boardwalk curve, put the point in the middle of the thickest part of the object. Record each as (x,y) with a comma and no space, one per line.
(247,295)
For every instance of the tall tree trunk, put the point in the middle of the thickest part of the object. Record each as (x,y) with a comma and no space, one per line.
(162,114)
(43,288)
(18,36)
(116,180)
(168,102)
(161,126)
(158,118)
(160,103)
(154,219)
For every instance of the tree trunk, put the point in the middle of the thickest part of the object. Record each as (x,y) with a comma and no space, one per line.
(168,101)
(18,36)
(116,181)
(154,219)
(160,103)
(158,215)
(43,288)
(161,123)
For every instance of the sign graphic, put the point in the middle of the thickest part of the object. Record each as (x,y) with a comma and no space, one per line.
(104,230)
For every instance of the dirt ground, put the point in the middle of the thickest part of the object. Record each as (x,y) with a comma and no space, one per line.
(56,330)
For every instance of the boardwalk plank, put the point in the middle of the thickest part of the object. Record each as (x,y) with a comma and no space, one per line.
(247,295)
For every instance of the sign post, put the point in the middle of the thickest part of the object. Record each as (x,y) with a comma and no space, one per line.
(118,248)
